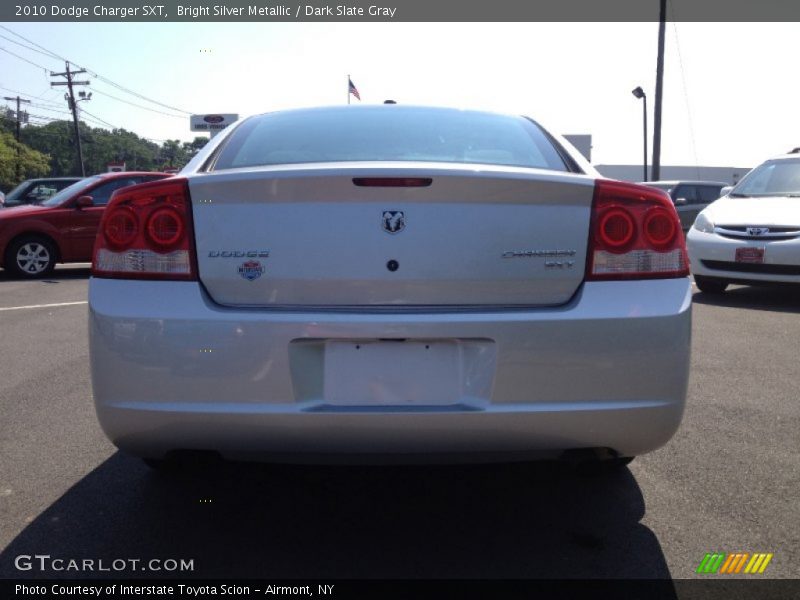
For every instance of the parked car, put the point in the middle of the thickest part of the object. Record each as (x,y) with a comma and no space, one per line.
(689,197)
(34,191)
(389,283)
(751,235)
(33,238)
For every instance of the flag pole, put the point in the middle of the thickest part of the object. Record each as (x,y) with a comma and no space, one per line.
(348,88)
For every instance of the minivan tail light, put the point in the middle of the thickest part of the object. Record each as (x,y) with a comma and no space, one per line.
(146,233)
(635,233)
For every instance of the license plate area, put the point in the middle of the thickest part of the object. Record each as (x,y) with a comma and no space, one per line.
(752,255)
(392,373)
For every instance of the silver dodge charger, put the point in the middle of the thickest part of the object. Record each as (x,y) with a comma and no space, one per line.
(389,283)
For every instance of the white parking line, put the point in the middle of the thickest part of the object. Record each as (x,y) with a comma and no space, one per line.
(43,305)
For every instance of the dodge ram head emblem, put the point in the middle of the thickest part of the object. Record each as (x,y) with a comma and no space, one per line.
(394,221)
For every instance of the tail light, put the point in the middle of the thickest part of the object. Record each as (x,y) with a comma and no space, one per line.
(146,233)
(635,234)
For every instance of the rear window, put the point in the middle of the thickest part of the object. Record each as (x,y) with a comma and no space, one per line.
(388,133)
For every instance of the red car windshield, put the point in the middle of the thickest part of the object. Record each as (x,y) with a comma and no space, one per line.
(69,192)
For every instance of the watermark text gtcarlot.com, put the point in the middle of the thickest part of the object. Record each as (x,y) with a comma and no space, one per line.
(47,563)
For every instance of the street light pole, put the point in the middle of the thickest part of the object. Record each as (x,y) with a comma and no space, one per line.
(659,91)
(639,93)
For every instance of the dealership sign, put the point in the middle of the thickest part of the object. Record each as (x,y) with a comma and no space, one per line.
(213,123)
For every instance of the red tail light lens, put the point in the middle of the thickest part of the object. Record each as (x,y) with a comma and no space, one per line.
(120,227)
(146,233)
(635,234)
(616,228)
(165,228)
(660,228)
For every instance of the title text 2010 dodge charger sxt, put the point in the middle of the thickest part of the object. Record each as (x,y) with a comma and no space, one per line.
(389,283)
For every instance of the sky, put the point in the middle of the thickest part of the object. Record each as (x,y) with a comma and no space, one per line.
(730,92)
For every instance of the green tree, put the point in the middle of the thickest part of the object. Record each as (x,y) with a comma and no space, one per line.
(54,139)
(193,147)
(101,146)
(31,162)
(119,145)
(172,155)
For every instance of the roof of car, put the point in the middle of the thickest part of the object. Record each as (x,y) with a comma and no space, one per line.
(683,181)
(795,154)
(66,178)
(336,108)
(124,173)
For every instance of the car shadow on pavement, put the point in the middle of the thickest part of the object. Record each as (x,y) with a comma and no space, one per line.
(245,520)
(59,274)
(783,298)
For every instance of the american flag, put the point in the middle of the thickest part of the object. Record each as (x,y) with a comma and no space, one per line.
(353,89)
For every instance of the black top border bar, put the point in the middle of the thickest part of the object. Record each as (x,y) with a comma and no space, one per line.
(635,589)
(265,11)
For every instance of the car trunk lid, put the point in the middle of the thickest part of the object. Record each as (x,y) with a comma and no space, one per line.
(300,236)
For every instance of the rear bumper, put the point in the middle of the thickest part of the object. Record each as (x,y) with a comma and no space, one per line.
(171,370)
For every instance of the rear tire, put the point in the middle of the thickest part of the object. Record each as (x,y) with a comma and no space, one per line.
(709,285)
(30,257)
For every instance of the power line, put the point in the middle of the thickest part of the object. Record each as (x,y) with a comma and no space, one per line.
(124,89)
(86,112)
(100,77)
(49,52)
(29,94)
(30,62)
(45,118)
(47,103)
(94,124)
(686,97)
(91,119)
(45,108)
(96,91)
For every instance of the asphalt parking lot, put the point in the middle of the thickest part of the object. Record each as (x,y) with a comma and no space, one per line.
(728,481)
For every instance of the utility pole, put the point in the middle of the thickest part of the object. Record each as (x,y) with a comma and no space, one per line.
(19,121)
(662,18)
(73,106)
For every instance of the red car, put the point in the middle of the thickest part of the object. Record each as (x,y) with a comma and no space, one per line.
(62,229)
